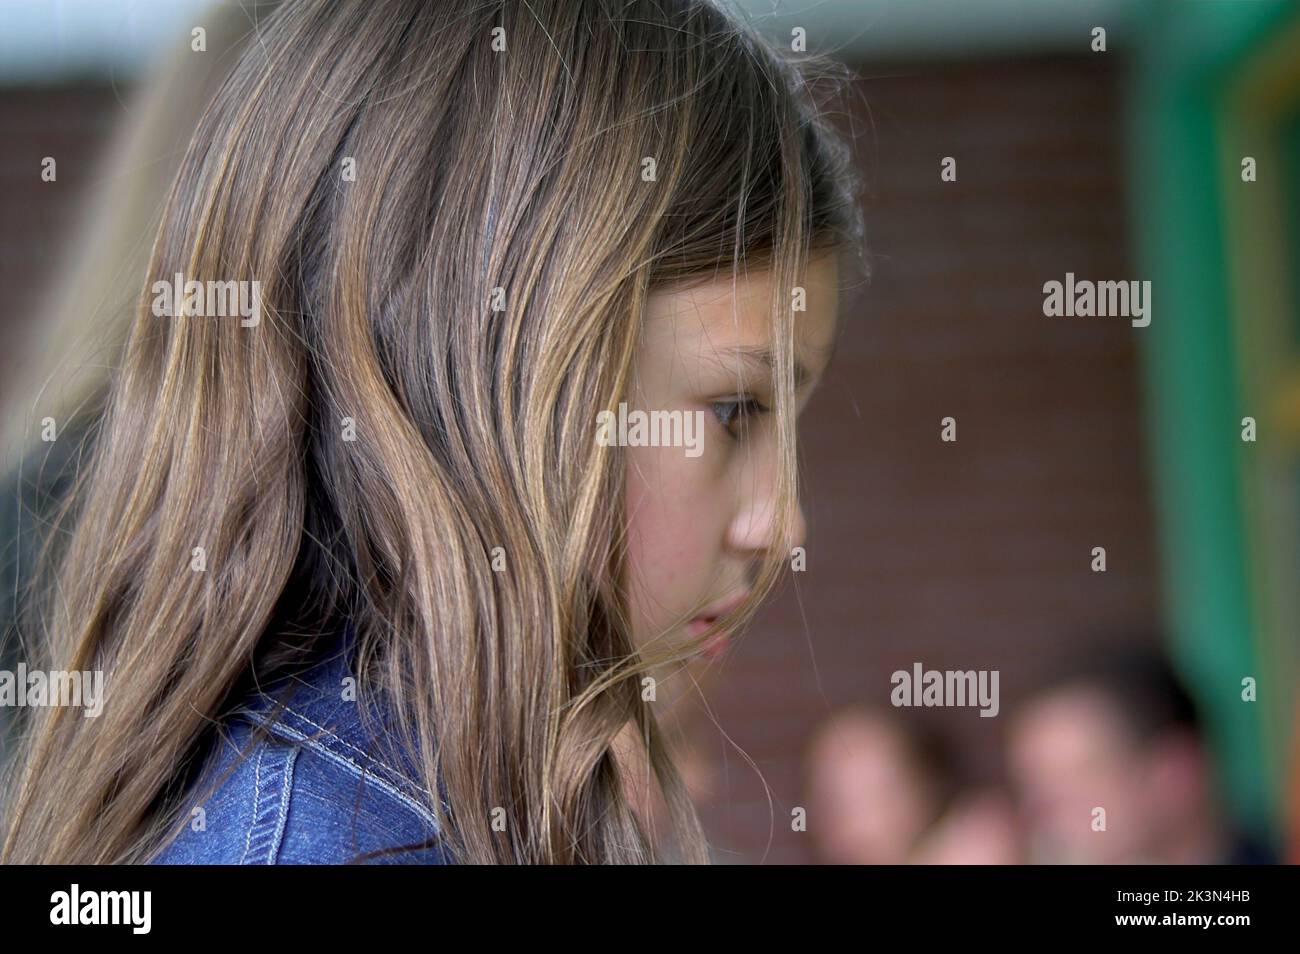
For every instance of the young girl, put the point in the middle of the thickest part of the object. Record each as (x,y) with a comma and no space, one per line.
(361,580)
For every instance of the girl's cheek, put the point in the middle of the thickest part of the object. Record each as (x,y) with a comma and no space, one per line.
(677,511)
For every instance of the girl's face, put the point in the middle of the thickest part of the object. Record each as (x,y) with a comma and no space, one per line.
(700,516)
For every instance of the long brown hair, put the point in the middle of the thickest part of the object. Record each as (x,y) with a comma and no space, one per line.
(455,228)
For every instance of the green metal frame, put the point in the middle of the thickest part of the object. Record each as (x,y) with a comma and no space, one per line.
(1186,55)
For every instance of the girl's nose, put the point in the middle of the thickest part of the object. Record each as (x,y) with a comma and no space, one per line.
(756,525)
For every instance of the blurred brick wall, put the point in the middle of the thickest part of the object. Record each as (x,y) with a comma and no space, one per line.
(966,555)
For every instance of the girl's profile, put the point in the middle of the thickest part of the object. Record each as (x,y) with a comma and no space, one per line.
(362,582)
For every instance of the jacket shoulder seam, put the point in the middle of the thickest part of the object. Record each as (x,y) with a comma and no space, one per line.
(349,765)
(272,788)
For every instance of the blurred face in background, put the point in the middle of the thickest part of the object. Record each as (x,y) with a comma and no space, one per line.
(869,801)
(1070,754)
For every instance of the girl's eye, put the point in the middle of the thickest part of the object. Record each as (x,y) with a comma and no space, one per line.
(731,414)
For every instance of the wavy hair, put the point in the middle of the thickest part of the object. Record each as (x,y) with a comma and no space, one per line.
(360,452)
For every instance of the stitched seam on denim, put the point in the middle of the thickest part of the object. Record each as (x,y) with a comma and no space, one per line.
(257,784)
(367,762)
(286,793)
(270,803)
(364,754)
(346,763)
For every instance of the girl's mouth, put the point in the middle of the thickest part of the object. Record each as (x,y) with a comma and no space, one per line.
(717,644)
(701,624)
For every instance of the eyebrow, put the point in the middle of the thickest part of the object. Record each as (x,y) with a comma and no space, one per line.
(763,359)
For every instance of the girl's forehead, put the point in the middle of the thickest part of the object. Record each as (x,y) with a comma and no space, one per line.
(735,312)
(703,334)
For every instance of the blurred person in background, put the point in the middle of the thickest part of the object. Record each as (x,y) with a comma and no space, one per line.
(978,829)
(874,787)
(1120,733)
(884,790)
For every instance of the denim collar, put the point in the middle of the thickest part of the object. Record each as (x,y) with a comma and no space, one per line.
(319,705)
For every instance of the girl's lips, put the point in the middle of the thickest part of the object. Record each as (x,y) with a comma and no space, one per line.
(700,625)
(724,606)
(705,621)
(715,646)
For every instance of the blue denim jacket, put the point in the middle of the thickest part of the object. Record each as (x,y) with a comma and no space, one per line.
(316,790)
